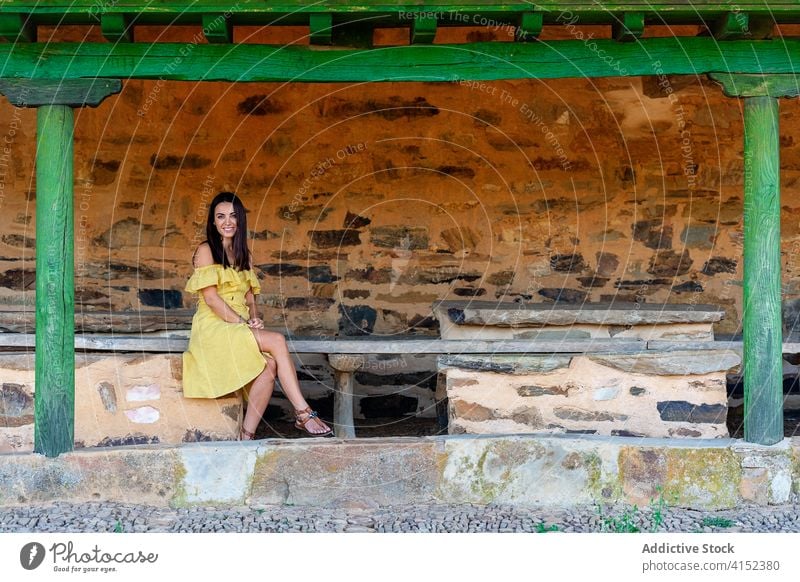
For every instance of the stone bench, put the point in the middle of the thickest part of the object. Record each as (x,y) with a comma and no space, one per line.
(120,399)
(612,333)
(661,391)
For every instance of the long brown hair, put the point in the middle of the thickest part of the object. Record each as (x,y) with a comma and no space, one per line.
(241,254)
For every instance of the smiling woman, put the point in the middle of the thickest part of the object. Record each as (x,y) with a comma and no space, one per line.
(228,347)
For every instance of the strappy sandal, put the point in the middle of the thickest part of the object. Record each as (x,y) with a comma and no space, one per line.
(300,424)
(246,433)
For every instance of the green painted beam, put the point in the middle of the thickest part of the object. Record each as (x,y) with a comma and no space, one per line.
(629,27)
(762,360)
(54,405)
(217,28)
(423,30)
(758,85)
(530,26)
(116,27)
(321,28)
(731,25)
(16,27)
(479,61)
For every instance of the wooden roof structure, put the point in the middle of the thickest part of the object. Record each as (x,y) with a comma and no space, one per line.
(741,45)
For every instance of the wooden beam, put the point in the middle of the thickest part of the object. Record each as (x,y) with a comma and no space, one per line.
(762,330)
(72,92)
(54,405)
(116,27)
(530,26)
(321,27)
(423,29)
(758,85)
(477,61)
(15,27)
(629,27)
(217,28)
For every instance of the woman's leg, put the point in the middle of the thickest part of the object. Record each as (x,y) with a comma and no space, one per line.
(275,344)
(258,397)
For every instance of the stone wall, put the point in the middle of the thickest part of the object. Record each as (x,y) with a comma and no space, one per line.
(677,394)
(120,399)
(369,202)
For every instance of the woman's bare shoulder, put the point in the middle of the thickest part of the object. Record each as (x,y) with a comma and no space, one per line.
(202,256)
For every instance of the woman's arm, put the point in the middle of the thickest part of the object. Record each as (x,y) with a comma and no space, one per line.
(219,307)
(255,320)
(250,299)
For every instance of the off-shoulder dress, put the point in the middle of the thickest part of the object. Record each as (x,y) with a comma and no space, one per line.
(222,357)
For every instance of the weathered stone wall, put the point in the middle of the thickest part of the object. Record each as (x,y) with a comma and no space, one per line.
(120,399)
(679,394)
(520,470)
(368,202)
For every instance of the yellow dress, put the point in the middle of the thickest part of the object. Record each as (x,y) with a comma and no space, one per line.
(222,357)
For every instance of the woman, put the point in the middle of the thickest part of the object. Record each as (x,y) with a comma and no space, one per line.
(228,346)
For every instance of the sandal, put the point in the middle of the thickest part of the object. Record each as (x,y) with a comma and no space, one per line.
(300,424)
(246,433)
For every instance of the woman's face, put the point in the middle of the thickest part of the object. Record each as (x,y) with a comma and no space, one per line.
(225,220)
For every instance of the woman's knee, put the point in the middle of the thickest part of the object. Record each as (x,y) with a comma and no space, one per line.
(270,341)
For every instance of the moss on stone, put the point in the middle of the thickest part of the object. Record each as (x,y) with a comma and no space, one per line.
(179,497)
(795,450)
(602,489)
(706,478)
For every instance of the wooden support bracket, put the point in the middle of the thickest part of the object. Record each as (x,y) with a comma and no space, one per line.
(217,28)
(629,27)
(731,26)
(740,85)
(530,26)
(116,27)
(423,29)
(321,26)
(72,92)
(16,27)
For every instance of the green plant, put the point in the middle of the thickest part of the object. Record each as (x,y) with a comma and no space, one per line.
(544,528)
(630,519)
(625,523)
(714,521)
(118,527)
(658,507)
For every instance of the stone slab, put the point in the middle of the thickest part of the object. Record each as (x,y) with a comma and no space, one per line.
(523,470)
(506,314)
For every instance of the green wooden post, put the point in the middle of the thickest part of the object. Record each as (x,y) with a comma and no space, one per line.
(763,360)
(762,326)
(55,294)
(54,402)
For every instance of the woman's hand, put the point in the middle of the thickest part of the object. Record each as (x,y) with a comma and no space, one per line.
(255,323)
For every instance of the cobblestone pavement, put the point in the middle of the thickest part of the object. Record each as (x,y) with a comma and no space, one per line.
(117,517)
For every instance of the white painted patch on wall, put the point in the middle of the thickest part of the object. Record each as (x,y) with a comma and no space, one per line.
(142,393)
(143,415)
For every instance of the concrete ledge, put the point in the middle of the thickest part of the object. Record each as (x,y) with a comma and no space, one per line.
(557,471)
